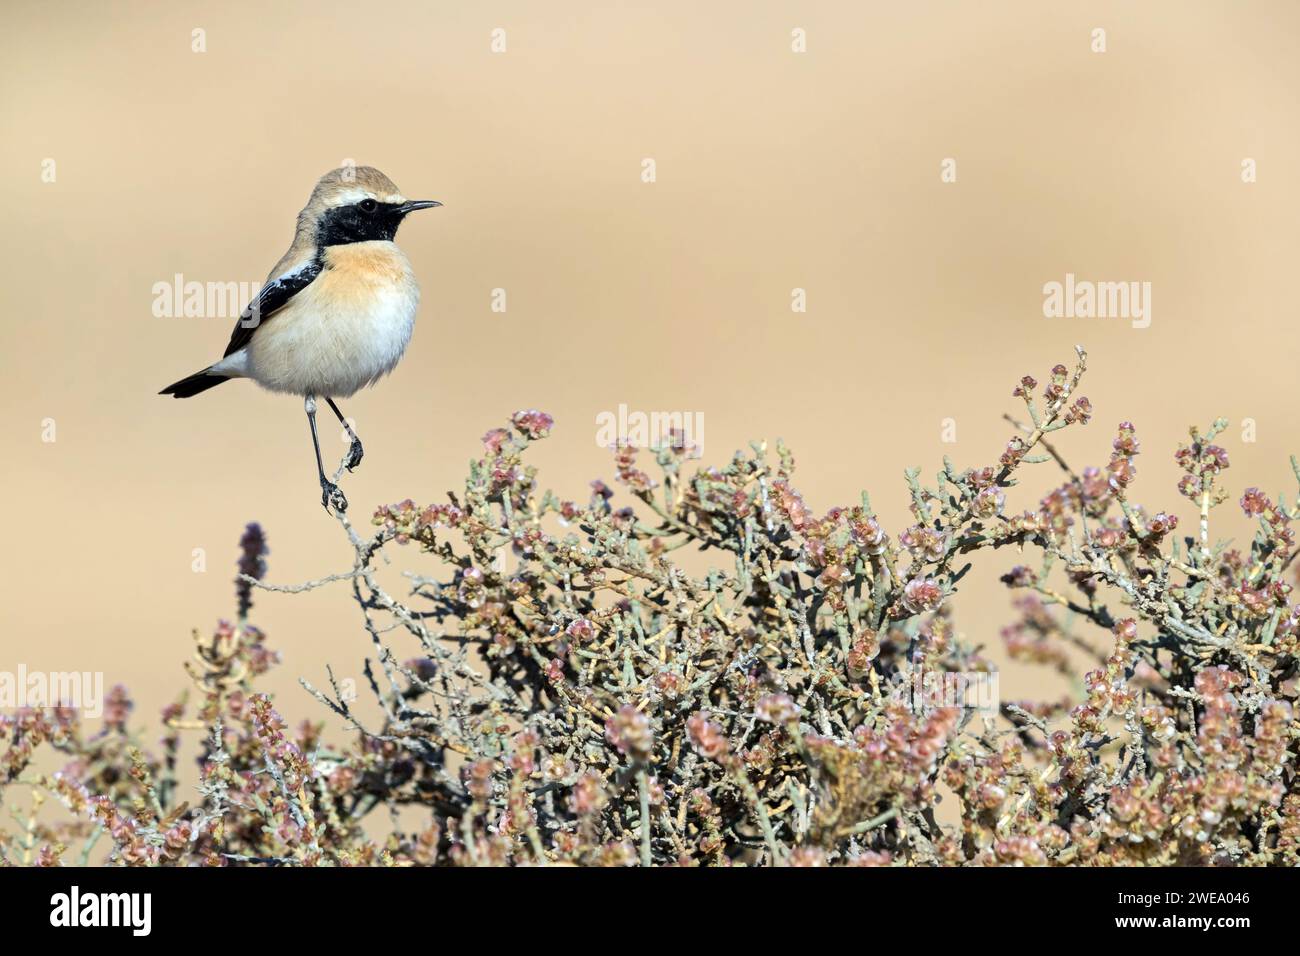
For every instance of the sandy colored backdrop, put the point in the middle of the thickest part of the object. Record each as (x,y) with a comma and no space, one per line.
(775,170)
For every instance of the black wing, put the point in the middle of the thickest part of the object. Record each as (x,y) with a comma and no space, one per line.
(275,295)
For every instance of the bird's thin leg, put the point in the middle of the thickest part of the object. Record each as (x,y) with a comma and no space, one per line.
(356,451)
(330,493)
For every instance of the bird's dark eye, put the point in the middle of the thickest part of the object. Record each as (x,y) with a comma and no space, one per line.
(368,205)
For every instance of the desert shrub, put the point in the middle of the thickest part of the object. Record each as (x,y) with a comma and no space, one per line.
(559,689)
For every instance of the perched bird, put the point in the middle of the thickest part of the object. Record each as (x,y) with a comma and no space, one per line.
(336,312)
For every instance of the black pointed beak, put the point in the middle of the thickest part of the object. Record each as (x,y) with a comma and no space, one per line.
(415,204)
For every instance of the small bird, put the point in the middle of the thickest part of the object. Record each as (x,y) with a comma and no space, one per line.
(336,312)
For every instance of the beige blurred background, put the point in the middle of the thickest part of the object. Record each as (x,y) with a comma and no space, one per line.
(775,170)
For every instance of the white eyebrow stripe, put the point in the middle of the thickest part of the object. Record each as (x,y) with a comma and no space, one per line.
(349,196)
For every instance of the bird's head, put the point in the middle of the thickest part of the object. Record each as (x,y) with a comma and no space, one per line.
(356,204)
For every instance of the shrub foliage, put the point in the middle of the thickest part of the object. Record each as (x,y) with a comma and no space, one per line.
(559,689)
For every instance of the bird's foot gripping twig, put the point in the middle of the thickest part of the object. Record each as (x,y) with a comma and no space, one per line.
(332,494)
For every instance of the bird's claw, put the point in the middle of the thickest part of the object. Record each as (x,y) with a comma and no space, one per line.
(355,454)
(332,494)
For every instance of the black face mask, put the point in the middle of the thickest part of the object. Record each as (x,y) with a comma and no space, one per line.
(365,221)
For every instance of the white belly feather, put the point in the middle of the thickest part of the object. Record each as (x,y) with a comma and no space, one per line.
(344,331)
